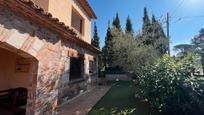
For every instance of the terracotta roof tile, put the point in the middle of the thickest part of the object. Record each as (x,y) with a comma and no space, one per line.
(48,15)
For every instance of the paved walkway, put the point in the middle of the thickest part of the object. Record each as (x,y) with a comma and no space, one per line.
(84,103)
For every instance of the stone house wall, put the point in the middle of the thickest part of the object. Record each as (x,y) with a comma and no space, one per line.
(50,55)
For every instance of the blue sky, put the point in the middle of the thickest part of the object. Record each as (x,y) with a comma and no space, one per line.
(183,26)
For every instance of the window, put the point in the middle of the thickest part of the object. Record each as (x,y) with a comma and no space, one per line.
(76,68)
(91,66)
(77,22)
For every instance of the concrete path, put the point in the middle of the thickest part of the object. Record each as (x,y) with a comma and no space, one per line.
(84,103)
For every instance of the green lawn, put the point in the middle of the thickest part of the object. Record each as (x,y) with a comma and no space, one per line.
(120,100)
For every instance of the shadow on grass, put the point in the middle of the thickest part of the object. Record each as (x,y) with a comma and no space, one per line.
(120,100)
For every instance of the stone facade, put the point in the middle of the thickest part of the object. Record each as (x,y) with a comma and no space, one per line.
(50,57)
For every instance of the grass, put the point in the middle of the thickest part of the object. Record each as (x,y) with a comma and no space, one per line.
(120,100)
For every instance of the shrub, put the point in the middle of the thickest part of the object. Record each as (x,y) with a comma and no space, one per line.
(170,88)
(129,53)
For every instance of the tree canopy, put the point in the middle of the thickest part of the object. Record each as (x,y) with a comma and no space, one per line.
(144,46)
(153,33)
(183,48)
(129,53)
(196,47)
(198,41)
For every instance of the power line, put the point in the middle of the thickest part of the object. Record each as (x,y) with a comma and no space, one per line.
(167,20)
(179,19)
(163,20)
(160,18)
(188,17)
(180,4)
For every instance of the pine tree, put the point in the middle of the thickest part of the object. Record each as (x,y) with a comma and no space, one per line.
(95,40)
(129,28)
(116,22)
(107,49)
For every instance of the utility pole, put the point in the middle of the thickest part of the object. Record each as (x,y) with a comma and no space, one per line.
(168,36)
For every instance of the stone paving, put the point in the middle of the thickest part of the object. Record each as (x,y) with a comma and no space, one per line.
(84,103)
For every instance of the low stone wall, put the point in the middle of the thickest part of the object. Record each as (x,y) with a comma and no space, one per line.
(70,90)
(113,77)
(94,79)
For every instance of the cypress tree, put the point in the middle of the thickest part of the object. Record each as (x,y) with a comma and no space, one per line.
(153,19)
(146,29)
(153,34)
(107,49)
(159,39)
(155,28)
(129,28)
(116,22)
(95,40)
(146,22)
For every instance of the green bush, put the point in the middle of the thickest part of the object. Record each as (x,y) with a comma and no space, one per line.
(170,88)
(129,52)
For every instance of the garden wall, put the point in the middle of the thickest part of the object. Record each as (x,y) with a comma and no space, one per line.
(121,77)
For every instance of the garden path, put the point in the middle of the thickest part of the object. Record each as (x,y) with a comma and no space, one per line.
(84,103)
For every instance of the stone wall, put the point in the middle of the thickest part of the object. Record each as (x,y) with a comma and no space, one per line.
(69,90)
(114,77)
(50,68)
